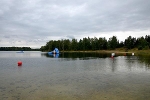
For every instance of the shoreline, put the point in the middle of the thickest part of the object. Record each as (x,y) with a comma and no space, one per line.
(136,52)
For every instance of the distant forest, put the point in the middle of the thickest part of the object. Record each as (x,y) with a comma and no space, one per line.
(17,49)
(101,43)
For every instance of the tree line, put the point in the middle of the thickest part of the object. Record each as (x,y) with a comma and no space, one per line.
(17,49)
(100,43)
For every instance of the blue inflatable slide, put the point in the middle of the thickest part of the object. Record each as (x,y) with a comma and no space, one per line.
(55,51)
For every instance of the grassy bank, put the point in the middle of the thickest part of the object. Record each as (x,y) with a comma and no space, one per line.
(120,51)
(143,52)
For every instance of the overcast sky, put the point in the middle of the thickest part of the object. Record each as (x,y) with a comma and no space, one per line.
(35,22)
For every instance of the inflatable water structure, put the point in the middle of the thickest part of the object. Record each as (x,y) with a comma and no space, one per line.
(55,51)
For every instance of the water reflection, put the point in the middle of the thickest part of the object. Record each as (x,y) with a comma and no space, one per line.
(90,55)
(114,67)
(53,55)
(20,69)
(81,55)
(145,59)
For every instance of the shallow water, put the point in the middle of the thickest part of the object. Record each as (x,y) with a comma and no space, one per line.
(69,77)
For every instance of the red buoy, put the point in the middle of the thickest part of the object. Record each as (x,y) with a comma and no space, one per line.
(112,57)
(124,54)
(19,63)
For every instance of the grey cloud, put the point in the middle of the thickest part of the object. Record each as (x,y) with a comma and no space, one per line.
(70,36)
(39,19)
(6,36)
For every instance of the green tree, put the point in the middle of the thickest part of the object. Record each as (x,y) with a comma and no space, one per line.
(74,44)
(67,44)
(147,38)
(143,44)
(86,43)
(130,42)
(80,45)
(102,44)
(121,44)
(113,42)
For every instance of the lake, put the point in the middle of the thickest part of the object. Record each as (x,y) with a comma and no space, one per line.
(73,76)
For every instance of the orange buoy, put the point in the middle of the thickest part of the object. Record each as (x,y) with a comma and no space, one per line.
(19,63)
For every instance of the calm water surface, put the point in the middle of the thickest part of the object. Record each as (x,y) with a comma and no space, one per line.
(73,77)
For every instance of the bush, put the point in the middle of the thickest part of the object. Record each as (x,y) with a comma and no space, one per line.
(146,47)
(140,48)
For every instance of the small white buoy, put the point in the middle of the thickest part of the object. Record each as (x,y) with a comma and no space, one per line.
(132,54)
(112,54)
